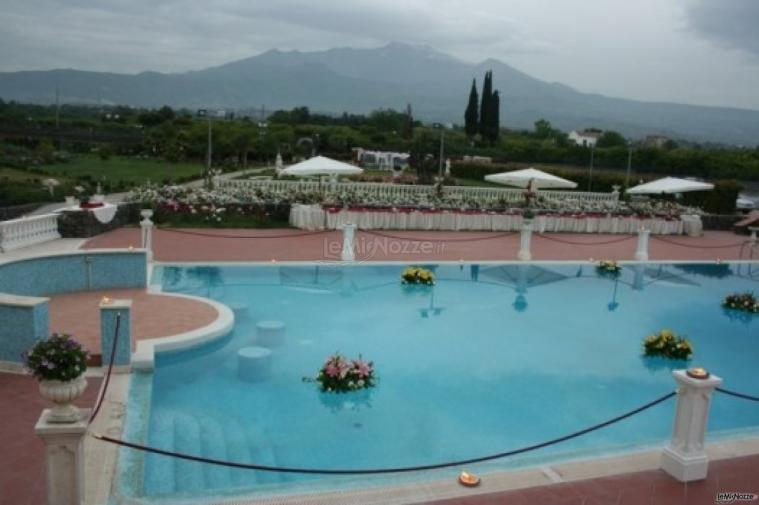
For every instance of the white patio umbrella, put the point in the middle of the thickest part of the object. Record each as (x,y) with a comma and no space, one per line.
(321,165)
(669,185)
(530,177)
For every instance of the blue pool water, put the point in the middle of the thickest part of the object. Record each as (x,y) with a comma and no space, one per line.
(492,358)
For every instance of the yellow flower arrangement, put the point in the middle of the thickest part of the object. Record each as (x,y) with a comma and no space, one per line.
(666,343)
(417,275)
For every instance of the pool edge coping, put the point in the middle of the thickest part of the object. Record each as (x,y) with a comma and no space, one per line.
(143,358)
(561,472)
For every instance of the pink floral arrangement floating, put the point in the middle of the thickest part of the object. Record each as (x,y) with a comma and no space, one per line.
(341,375)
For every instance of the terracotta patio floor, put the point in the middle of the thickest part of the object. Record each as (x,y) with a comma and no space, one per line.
(297,245)
(22,474)
(152,315)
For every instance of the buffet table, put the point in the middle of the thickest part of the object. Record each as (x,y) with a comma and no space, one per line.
(314,217)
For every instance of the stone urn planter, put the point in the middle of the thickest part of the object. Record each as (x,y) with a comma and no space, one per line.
(59,363)
(62,394)
(146,213)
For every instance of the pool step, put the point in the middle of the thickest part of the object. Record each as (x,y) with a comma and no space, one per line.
(189,474)
(160,471)
(204,435)
(214,447)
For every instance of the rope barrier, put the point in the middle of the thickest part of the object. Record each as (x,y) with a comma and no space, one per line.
(604,242)
(738,395)
(104,387)
(370,471)
(220,235)
(657,237)
(410,239)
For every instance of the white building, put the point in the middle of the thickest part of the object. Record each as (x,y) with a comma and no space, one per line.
(585,138)
(381,160)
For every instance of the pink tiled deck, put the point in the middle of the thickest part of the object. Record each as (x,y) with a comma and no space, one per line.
(642,488)
(152,315)
(297,245)
(22,474)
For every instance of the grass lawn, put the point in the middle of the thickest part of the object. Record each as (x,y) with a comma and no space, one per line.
(127,169)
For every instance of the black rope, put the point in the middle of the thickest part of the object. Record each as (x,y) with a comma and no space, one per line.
(564,241)
(368,471)
(104,388)
(221,235)
(739,395)
(727,246)
(410,239)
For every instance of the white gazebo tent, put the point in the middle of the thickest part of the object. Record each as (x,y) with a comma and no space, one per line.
(530,178)
(321,165)
(669,185)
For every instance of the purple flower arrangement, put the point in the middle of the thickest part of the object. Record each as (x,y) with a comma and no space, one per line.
(60,357)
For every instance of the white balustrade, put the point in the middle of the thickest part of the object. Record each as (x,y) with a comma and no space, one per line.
(26,231)
(509,195)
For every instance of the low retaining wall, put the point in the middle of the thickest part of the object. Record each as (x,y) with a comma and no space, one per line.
(720,222)
(23,283)
(78,224)
(15,211)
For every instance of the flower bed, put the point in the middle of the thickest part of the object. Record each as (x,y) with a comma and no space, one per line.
(340,375)
(667,344)
(543,203)
(745,302)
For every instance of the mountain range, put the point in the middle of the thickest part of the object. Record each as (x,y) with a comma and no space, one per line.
(362,80)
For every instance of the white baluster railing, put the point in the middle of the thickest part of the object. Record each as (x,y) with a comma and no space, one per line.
(26,231)
(510,195)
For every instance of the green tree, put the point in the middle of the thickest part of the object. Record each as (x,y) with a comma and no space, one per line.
(485,107)
(610,138)
(471,116)
(408,124)
(494,128)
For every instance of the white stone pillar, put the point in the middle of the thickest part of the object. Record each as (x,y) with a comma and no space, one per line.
(641,253)
(684,457)
(146,225)
(349,231)
(64,458)
(752,239)
(524,253)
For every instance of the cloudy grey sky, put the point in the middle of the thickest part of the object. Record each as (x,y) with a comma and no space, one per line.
(693,51)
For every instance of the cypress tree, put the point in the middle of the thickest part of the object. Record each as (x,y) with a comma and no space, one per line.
(408,124)
(495,120)
(472,116)
(485,109)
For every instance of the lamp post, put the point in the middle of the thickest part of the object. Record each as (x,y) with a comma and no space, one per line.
(590,170)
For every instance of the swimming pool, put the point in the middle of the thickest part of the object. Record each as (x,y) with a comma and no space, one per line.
(493,357)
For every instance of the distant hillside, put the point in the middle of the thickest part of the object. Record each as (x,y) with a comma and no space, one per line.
(361,80)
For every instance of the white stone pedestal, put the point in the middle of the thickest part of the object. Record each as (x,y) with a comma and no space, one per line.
(348,253)
(270,333)
(146,226)
(641,253)
(64,458)
(684,457)
(253,364)
(524,253)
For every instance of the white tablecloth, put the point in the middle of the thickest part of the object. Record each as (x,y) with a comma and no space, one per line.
(104,214)
(313,217)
